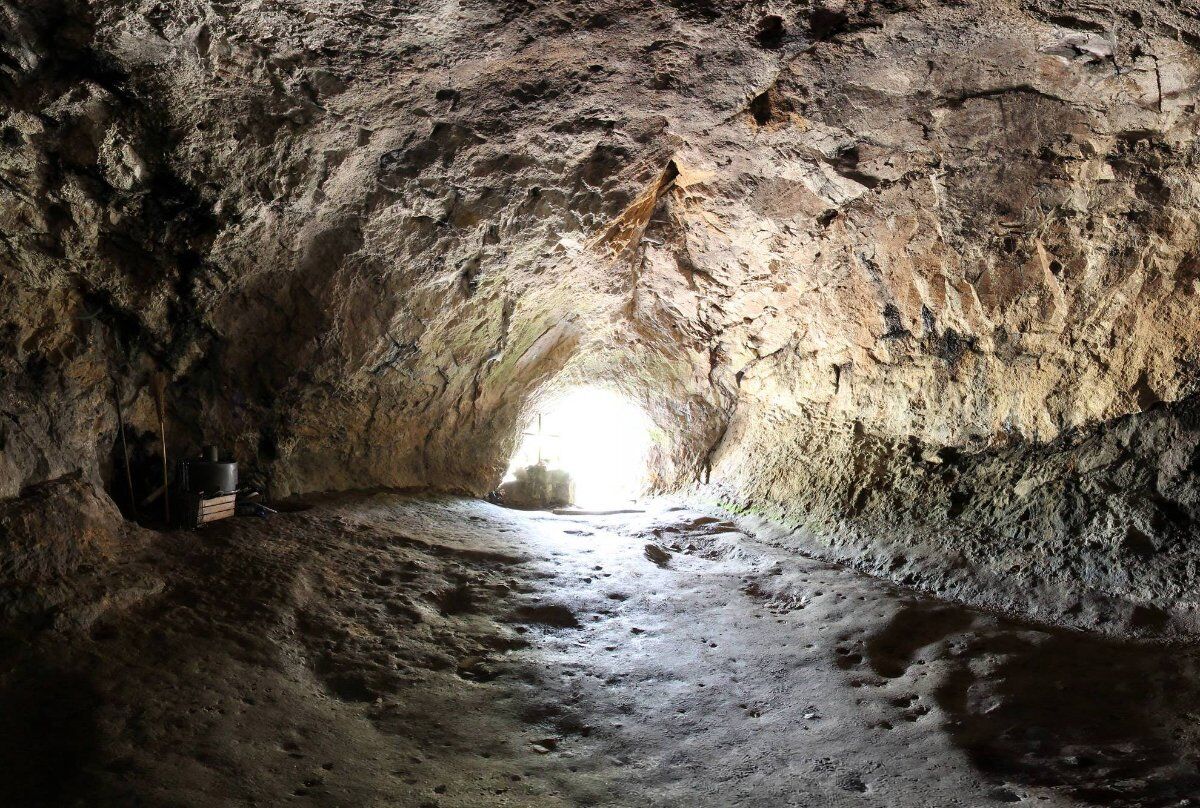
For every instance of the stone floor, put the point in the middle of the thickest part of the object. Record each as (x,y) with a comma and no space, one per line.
(391,650)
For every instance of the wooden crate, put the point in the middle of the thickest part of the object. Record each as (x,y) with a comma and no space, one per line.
(217,508)
(197,511)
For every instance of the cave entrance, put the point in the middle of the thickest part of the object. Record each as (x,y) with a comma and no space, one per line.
(599,437)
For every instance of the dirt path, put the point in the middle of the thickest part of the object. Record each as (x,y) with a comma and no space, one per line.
(394,651)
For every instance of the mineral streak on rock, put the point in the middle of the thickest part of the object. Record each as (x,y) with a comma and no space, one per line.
(920,278)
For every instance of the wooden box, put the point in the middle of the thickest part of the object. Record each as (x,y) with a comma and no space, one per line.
(198,511)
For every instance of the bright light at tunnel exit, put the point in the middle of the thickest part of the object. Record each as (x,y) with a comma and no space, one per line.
(598,437)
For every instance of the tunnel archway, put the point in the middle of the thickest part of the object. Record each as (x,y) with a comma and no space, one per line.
(601,438)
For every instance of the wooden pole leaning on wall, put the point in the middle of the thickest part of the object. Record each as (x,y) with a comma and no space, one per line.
(160,393)
(125,450)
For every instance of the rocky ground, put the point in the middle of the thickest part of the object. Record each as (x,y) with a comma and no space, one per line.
(416,651)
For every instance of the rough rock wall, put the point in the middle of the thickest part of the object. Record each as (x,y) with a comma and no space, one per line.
(937,260)
(62,548)
(950,224)
(347,232)
(1000,256)
(359,238)
(1094,529)
(973,245)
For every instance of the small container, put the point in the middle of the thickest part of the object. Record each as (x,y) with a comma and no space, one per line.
(208,474)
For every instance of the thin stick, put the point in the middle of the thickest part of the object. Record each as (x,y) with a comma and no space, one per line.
(125,450)
(153,495)
(160,391)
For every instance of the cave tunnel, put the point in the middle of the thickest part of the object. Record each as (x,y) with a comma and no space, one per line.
(695,403)
(599,440)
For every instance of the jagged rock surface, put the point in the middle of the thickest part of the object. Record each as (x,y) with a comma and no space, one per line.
(813,239)
(1095,529)
(64,549)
